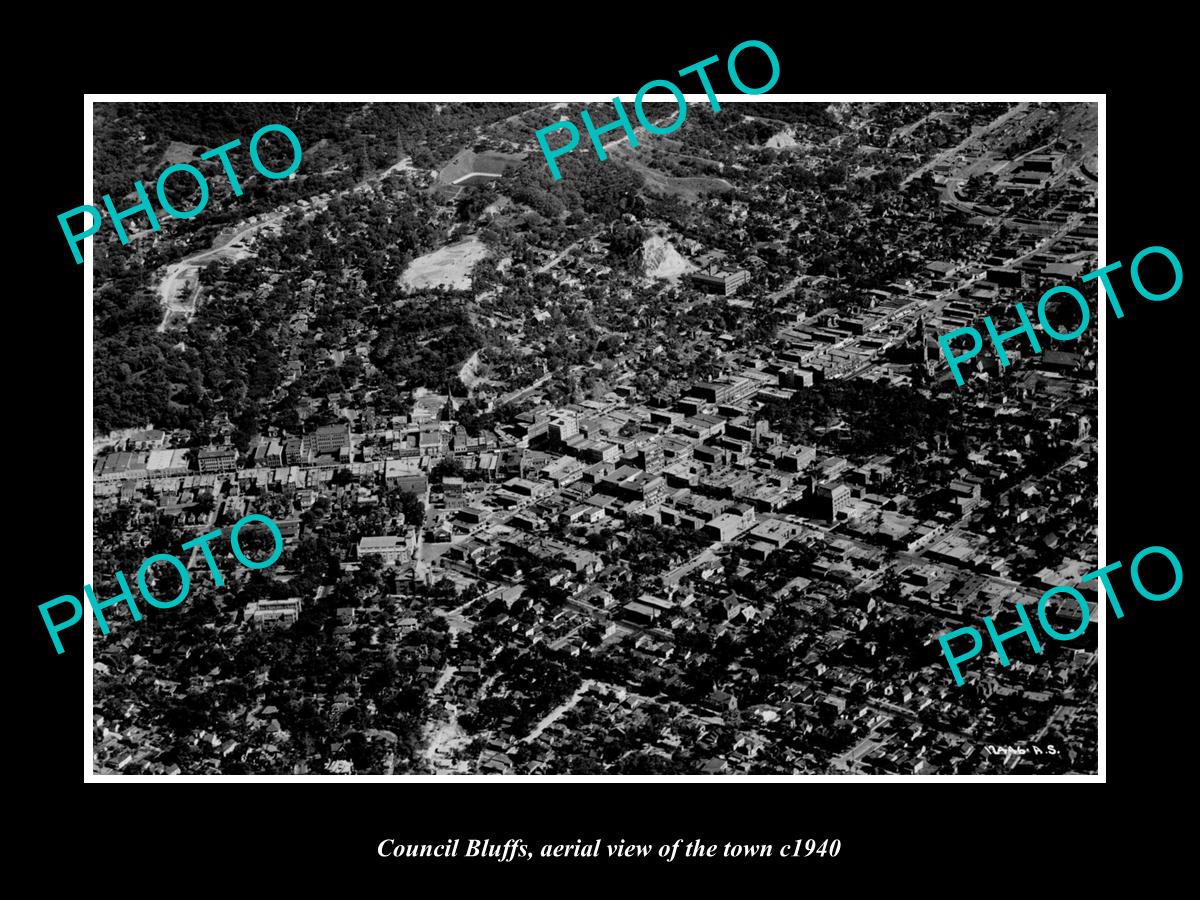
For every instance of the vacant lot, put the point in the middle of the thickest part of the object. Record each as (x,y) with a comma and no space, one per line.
(449,266)
(177,152)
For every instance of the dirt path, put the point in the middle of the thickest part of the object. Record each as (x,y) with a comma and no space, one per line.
(558,257)
(444,678)
(208,523)
(905,130)
(405,165)
(443,739)
(517,395)
(555,714)
(446,737)
(641,133)
(190,266)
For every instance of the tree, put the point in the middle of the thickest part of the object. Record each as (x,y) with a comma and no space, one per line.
(412,508)
(446,466)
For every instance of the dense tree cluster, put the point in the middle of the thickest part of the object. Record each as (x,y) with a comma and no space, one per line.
(860,417)
(229,358)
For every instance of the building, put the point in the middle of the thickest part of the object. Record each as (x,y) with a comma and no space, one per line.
(293,452)
(330,439)
(274,612)
(563,427)
(391,550)
(830,499)
(152,439)
(121,465)
(272,454)
(639,613)
(1042,162)
(217,459)
(650,458)
(398,473)
(452,492)
(167,462)
(725,391)
(720,281)
(429,440)
(289,528)
(796,458)
(525,488)
(1004,277)
(563,472)
(633,484)
(727,526)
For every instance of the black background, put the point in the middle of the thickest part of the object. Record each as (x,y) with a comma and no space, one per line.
(128,833)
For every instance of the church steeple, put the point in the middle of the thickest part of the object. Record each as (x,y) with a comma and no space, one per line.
(925,340)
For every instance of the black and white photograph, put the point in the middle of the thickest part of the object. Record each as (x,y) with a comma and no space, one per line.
(658,467)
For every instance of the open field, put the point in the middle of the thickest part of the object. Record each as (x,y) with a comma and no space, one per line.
(449,266)
(468,162)
(177,152)
(687,188)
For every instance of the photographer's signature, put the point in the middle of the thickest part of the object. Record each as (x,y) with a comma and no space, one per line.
(1010,750)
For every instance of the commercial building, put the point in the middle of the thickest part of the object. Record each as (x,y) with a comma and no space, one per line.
(720,281)
(452,492)
(633,484)
(401,474)
(391,550)
(429,440)
(167,462)
(330,438)
(649,457)
(274,612)
(729,525)
(830,499)
(563,427)
(217,459)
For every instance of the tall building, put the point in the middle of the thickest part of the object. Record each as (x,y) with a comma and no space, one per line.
(650,458)
(217,459)
(830,499)
(930,354)
(563,427)
(331,438)
(720,281)
(293,452)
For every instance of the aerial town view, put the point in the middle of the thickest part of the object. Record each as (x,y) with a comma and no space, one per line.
(655,469)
